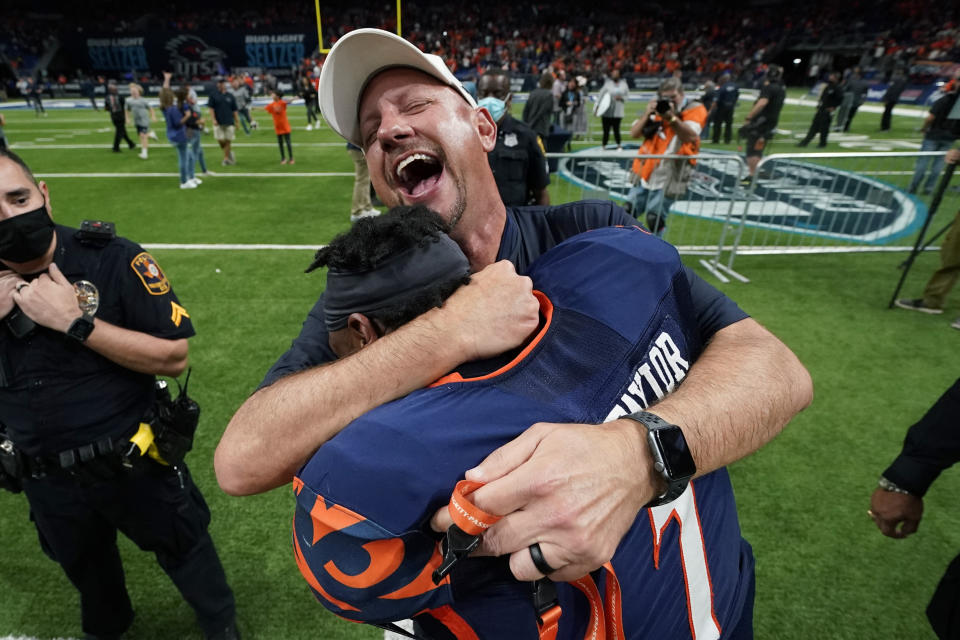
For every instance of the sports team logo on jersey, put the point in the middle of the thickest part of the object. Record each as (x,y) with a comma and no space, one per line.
(150,274)
(358,569)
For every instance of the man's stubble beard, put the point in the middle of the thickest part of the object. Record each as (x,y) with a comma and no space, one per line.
(459,205)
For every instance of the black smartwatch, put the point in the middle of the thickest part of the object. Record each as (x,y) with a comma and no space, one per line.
(671,455)
(81,328)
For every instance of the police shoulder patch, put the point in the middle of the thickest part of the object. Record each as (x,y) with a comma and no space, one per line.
(153,279)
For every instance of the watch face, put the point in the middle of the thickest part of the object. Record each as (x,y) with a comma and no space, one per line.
(677,459)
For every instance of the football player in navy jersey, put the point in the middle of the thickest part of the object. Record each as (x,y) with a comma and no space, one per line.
(425,142)
(361,531)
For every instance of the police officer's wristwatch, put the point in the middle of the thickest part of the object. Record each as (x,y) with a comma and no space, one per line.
(671,455)
(81,328)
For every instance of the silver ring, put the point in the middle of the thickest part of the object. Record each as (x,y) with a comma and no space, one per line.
(21,286)
(539,561)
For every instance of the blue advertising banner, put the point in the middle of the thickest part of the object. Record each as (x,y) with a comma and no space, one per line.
(199,54)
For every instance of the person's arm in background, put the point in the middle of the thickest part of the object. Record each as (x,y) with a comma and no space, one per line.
(931,445)
(280,426)
(636,128)
(757,108)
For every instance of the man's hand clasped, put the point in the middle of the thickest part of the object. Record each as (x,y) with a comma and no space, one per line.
(496,312)
(50,300)
(572,489)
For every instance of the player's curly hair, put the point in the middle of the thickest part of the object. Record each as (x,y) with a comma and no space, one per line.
(372,241)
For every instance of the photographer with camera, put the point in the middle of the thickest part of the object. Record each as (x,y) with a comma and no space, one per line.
(89,321)
(761,122)
(670,124)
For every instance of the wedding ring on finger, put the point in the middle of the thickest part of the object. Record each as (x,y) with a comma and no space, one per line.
(539,561)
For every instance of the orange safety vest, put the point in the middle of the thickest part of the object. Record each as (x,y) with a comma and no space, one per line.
(643,167)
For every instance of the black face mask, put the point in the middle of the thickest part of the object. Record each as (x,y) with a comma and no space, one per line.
(27,236)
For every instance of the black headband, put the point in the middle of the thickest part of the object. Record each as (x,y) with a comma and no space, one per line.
(368,291)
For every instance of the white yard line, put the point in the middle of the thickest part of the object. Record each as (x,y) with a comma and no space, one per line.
(233,247)
(210,144)
(304,174)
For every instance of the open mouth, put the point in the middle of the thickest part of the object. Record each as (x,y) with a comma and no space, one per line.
(418,173)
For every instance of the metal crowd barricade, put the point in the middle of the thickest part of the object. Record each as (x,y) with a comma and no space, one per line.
(828,202)
(799,202)
(695,223)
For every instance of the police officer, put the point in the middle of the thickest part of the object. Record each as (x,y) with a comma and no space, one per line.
(517,161)
(76,378)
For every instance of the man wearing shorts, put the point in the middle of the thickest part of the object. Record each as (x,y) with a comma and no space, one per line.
(763,117)
(223,111)
(142,116)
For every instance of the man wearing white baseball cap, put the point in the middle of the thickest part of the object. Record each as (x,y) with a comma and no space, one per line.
(426,142)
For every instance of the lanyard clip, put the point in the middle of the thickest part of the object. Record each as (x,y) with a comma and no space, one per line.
(457,544)
(547,608)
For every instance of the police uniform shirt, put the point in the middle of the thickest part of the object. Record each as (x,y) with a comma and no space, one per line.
(517,161)
(61,394)
(528,233)
(619,331)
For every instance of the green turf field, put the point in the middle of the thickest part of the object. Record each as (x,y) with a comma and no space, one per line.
(823,569)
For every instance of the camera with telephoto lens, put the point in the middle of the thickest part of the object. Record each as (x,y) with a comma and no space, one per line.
(664,105)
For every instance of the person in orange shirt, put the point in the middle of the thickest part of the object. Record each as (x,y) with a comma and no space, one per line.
(670,124)
(281,124)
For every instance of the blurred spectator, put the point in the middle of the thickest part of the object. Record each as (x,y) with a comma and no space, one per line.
(890,98)
(538,111)
(115,105)
(143,115)
(939,134)
(242,95)
(726,103)
(830,98)
(943,279)
(709,100)
(618,90)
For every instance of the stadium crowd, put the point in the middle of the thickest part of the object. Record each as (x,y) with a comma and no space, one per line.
(698,40)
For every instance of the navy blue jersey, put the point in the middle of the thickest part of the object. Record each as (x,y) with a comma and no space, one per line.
(60,394)
(619,332)
(527,234)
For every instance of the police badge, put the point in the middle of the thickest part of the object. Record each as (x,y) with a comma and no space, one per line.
(88,297)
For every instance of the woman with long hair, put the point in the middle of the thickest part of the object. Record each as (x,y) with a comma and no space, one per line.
(176,118)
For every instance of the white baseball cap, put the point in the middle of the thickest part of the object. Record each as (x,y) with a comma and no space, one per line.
(355,59)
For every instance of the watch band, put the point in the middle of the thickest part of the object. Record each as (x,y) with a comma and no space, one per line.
(886,485)
(676,479)
(81,328)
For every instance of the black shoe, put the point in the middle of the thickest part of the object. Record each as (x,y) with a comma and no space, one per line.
(821,145)
(802,144)
(916,304)
(116,150)
(230,632)
(131,145)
